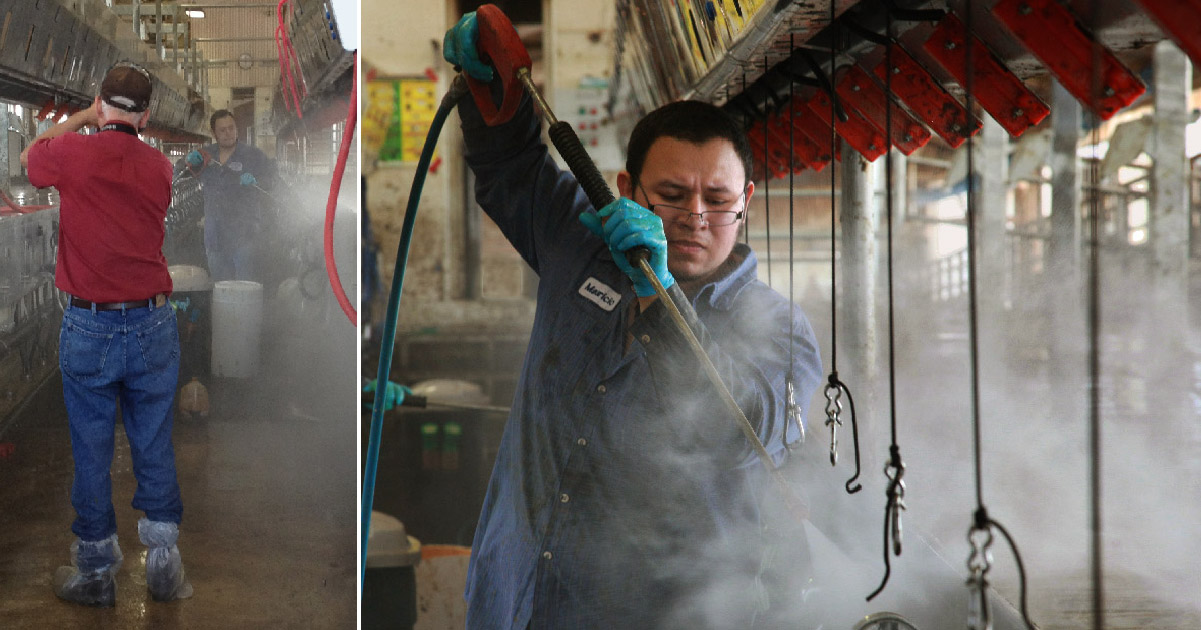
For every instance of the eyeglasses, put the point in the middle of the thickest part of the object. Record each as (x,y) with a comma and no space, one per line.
(711,218)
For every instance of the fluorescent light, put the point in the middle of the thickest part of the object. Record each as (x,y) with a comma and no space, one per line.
(195,13)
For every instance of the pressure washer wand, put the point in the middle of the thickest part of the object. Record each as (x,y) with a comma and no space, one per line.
(422,402)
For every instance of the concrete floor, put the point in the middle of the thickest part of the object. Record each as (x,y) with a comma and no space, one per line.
(268,481)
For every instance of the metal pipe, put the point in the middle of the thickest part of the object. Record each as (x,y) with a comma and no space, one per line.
(262,5)
(450,405)
(158,27)
(858,261)
(175,38)
(523,74)
(212,62)
(206,40)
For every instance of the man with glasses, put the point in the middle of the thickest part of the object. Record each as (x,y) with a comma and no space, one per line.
(624,494)
(118,342)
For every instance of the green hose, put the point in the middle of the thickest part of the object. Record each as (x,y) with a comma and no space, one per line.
(458,88)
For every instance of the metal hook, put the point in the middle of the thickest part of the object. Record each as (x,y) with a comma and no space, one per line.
(979,616)
(833,411)
(896,495)
(794,412)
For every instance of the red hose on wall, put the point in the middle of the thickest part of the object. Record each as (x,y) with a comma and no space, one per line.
(331,267)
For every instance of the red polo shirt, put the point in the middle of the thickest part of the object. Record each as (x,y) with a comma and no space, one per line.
(114,191)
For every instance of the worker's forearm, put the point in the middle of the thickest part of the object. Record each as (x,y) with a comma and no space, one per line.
(73,123)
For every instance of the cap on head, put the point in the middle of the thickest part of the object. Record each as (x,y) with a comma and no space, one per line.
(126,86)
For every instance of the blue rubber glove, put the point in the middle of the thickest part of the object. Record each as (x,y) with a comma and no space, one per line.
(249,180)
(459,48)
(394,394)
(625,225)
(195,159)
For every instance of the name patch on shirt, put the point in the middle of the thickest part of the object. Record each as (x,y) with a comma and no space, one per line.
(600,293)
(234,166)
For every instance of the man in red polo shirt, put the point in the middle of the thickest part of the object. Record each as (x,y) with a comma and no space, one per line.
(118,340)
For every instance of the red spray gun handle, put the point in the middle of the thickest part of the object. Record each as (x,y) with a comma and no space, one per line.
(499,45)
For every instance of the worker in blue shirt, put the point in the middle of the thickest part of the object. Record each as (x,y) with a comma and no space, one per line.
(624,494)
(235,179)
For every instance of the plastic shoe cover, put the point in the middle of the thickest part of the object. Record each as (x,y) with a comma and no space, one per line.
(92,580)
(164,568)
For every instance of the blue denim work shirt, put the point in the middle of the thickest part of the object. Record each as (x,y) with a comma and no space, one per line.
(622,484)
(230,208)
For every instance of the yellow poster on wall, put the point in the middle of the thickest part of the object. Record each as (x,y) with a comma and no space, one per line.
(398,117)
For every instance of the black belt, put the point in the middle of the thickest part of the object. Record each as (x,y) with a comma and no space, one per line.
(158,300)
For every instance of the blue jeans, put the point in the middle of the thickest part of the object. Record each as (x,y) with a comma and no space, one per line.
(132,356)
(231,251)
(236,263)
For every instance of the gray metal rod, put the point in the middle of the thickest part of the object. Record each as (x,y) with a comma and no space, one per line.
(490,408)
(263,5)
(254,60)
(205,40)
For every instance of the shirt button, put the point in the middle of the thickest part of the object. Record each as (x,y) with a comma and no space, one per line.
(563,498)
(582,442)
(546,555)
(600,388)
(646,339)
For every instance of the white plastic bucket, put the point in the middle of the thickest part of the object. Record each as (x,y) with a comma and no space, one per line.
(237,327)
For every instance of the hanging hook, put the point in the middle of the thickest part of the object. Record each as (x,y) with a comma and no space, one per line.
(979,561)
(894,470)
(794,412)
(834,405)
(833,410)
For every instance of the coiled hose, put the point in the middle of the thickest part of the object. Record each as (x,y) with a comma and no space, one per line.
(458,89)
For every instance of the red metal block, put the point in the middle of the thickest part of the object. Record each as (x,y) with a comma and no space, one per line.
(859,90)
(777,141)
(1179,19)
(46,110)
(812,127)
(997,89)
(65,108)
(805,152)
(860,133)
(774,165)
(914,85)
(755,139)
(1050,31)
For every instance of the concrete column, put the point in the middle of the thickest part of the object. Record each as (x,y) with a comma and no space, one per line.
(991,204)
(1062,289)
(859,260)
(4,153)
(1169,185)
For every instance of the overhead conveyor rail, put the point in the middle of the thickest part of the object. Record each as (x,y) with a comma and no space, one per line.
(54,55)
(738,54)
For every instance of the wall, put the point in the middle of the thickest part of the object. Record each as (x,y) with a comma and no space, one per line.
(255,26)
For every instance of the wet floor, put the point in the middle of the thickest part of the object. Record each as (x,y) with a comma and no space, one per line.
(268,482)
